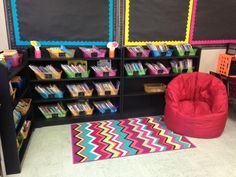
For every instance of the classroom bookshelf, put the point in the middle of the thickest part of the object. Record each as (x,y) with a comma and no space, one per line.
(13,154)
(131,100)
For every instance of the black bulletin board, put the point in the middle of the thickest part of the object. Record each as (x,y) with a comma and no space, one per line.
(213,22)
(65,22)
(157,21)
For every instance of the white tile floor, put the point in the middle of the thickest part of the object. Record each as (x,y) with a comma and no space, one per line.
(49,155)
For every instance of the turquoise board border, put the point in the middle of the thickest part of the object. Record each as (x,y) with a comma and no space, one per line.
(20,42)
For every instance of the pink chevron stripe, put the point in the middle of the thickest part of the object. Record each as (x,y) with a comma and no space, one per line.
(145,133)
(135,124)
(108,126)
(76,148)
(115,140)
(99,141)
(131,135)
(123,138)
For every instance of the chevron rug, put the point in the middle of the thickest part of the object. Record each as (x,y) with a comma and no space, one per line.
(119,138)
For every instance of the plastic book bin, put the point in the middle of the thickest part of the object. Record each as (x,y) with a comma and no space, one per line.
(54,95)
(111,73)
(82,94)
(92,54)
(50,116)
(182,53)
(155,72)
(72,75)
(144,54)
(156,53)
(137,73)
(16,60)
(58,53)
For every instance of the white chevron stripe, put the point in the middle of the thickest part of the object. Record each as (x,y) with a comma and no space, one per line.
(145,139)
(154,141)
(91,142)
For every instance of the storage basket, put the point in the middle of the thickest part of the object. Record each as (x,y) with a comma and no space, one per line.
(58,53)
(72,75)
(13,94)
(155,88)
(80,113)
(192,52)
(88,53)
(50,115)
(54,95)
(42,76)
(111,73)
(226,65)
(25,110)
(82,94)
(108,92)
(156,53)
(157,72)
(18,82)
(137,73)
(144,54)
(25,129)
(19,141)
(15,60)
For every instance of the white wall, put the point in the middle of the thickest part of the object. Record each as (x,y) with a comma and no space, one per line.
(208,60)
(3,32)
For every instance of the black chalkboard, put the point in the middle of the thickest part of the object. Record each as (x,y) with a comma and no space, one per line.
(158,20)
(63,20)
(214,21)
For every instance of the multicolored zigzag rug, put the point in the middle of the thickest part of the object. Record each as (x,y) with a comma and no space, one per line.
(118,138)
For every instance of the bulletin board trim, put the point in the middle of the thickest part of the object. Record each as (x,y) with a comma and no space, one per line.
(19,42)
(174,42)
(192,41)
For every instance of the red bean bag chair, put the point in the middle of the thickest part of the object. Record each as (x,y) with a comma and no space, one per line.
(196,105)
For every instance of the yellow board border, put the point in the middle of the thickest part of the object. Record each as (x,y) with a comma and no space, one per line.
(128,43)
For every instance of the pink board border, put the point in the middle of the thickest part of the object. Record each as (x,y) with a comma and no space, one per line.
(203,41)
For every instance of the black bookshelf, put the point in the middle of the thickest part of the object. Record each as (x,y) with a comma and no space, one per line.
(132,100)
(136,102)
(13,158)
(40,120)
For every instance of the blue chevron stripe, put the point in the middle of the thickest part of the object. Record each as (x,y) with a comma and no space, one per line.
(89,147)
(122,138)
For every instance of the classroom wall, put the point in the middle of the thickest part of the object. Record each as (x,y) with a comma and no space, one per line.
(3,32)
(208,59)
